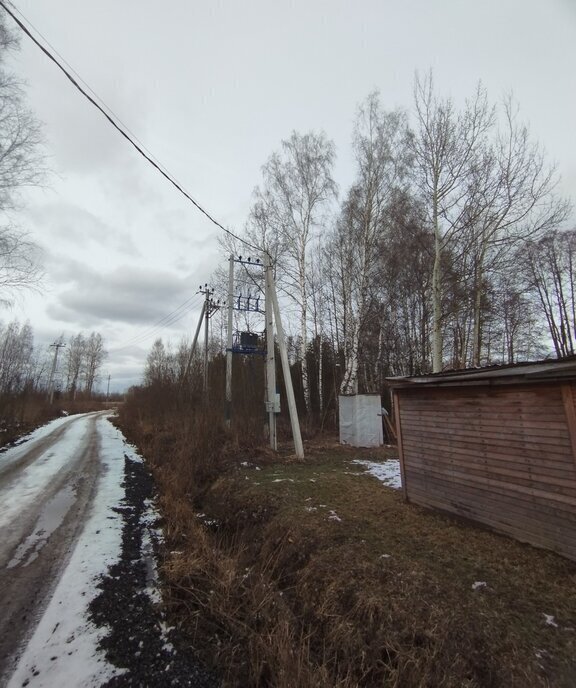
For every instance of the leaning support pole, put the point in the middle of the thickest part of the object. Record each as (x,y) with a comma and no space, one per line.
(193,349)
(298,446)
(270,359)
(228,409)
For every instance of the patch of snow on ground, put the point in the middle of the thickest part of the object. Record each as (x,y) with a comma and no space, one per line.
(333,516)
(550,620)
(63,649)
(388,471)
(478,585)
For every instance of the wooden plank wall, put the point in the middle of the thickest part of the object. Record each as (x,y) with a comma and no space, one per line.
(504,456)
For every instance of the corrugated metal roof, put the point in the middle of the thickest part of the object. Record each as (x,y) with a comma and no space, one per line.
(548,370)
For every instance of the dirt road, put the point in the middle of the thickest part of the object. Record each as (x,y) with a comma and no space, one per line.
(80,604)
(46,487)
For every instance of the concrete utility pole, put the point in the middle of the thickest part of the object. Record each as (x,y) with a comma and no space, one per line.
(193,349)
(207,295)
(270,356)
(294,422)
(108,388)
(230,343)
(56,346)
(209,309)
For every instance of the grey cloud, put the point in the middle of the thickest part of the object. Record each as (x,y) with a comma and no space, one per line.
(78,226)
(127,294)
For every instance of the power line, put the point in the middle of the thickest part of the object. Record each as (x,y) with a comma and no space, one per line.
(153,332)
(87,86)
(162,323)
(121,129)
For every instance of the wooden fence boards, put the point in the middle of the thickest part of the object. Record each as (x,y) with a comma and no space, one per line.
(504,456)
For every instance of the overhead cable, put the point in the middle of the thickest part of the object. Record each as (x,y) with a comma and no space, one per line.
(162,323)
(122,130)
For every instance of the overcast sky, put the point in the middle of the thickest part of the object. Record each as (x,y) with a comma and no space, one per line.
(211,88)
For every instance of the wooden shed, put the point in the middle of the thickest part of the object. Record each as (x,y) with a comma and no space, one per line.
(495,445)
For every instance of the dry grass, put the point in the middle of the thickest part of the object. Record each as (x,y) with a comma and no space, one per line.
(268,584)
(24,413)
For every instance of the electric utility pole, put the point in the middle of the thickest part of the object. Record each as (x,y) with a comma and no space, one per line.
(210,307)
(272,315)
(294,422)
(56,346)
(230,343)
(193,349)
(108,388)
(271,404)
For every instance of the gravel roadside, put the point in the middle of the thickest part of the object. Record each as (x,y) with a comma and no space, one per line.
(139,640)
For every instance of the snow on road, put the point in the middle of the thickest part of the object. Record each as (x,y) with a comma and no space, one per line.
(38,475)
(63,648)
(11,455)
(388,472)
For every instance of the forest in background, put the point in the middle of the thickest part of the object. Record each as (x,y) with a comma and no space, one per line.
(450,249)
(28,381)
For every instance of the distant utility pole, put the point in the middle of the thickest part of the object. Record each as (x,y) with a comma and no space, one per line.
(56,346)
(210,307)
(108,388)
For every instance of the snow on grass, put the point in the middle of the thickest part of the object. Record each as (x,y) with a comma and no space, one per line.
(63,649)
(388,471)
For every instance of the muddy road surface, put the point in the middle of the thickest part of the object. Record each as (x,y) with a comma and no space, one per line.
(46,487)
(80,603)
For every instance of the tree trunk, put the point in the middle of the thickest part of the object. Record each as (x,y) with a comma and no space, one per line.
(437,299)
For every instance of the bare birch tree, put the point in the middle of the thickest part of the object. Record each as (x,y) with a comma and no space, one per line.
(448,147)
(517,204)
(21,165)
(94,357)
(75,355)
(288,211)
(380,147)
(550,264)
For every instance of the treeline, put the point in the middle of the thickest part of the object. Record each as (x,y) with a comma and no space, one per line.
(26,376)
(450,248)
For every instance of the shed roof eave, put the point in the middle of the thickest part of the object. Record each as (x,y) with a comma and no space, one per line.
(563,370)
